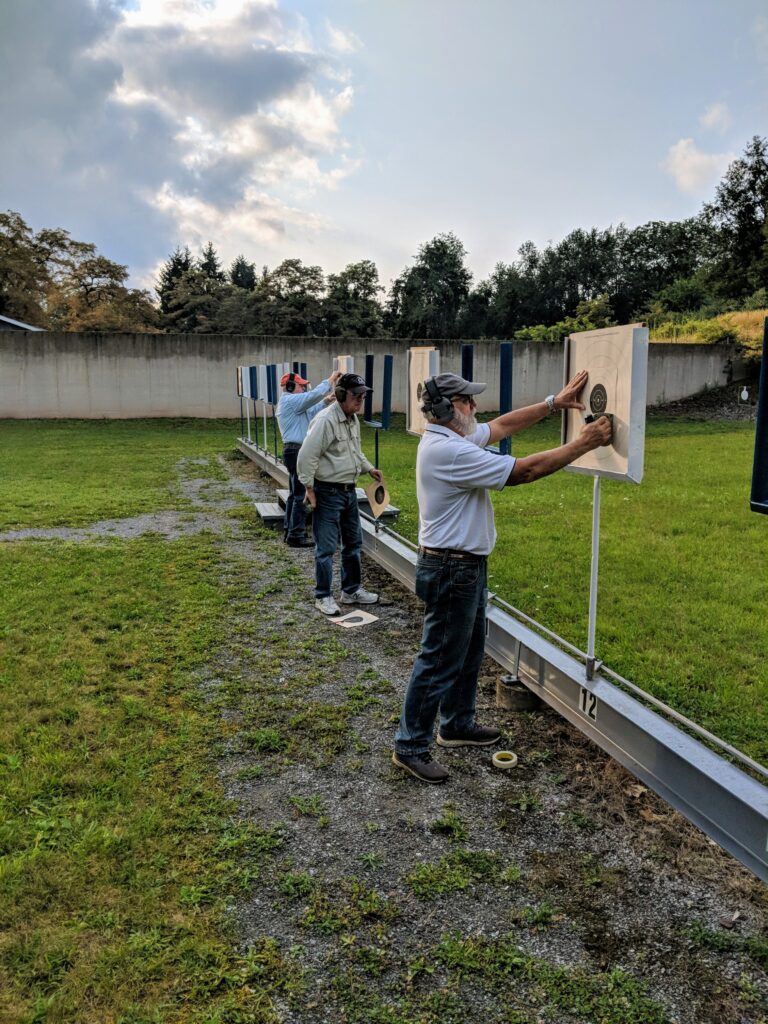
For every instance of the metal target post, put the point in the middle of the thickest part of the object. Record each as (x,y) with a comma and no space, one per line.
(591,663)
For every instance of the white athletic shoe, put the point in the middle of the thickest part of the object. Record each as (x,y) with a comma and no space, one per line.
(360,596)
(327,605)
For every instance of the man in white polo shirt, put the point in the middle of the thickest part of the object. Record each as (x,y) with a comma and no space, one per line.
(456,534)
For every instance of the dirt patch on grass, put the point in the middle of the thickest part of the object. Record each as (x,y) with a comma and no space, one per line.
(560,891)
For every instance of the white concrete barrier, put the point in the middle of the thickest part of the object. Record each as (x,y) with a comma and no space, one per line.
(123,376)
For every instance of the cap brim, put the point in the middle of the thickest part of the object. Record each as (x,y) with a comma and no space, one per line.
(472,388)
(359,390)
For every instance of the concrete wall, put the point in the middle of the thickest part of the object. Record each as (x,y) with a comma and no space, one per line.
(54,375)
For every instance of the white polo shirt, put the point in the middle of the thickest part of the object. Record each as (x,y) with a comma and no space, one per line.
(453,476)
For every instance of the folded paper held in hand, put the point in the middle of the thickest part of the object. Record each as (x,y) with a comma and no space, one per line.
(378,497)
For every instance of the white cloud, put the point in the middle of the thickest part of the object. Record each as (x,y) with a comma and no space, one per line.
(342,42)
(692,169)
(716,116)
(184,119)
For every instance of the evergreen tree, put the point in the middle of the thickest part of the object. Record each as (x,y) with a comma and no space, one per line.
(209,264)
(242,274)
(177,264)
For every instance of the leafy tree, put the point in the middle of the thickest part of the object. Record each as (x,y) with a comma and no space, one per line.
(351,306)
(242,274)
(292,295)
(739,217)
(426,300)
(24,275)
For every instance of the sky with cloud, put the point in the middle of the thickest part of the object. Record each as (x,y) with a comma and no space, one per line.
(342,130)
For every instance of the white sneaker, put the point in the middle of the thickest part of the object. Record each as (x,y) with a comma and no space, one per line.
(360,596)
(327,605)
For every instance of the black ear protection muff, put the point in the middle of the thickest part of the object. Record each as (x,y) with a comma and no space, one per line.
(341,394)
(290,384)
(435,404)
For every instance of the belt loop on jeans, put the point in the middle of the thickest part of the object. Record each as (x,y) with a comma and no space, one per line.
(453,553)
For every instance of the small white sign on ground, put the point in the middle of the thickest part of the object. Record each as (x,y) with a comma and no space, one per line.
(356,618)
(423,363)
(616,359)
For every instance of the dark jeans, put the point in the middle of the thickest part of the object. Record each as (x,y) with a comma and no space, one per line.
(295,514)
(336,515)
(444,676)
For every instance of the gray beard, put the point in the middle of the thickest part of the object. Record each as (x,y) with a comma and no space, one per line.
(466,424)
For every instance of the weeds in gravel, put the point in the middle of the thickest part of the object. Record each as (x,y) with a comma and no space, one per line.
(345,906)
(450,824)
(756,947)
(452,873)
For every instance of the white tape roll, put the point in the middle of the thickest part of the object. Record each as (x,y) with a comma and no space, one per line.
(504,759)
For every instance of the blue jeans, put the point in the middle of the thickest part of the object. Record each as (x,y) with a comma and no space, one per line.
(336,515)
(445,673)
(295,513)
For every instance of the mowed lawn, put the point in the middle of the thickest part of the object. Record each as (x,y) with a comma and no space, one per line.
(683,589)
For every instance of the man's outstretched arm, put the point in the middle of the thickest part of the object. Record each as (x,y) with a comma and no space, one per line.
(512,422)
(534,467)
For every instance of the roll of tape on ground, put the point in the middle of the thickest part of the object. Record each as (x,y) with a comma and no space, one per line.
(504,759)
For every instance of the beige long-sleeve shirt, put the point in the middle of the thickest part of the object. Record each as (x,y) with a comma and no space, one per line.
(331,449)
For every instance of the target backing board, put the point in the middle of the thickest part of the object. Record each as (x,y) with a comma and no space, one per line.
(344,363)
(616,359)
(423,363)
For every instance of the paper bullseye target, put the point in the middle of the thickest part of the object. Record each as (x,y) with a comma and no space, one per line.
(616,360)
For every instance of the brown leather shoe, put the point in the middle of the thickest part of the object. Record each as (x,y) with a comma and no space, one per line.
(421,766)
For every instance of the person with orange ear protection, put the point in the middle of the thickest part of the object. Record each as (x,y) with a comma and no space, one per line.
(296,409)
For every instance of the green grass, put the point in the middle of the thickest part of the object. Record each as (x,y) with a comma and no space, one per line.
(683,595)
(71,472)
(117,848)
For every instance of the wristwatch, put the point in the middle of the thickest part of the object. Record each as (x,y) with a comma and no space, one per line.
(550,400)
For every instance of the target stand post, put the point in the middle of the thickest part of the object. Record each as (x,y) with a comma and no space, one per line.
(592,664)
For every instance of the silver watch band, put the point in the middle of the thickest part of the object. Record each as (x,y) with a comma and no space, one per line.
(550,400)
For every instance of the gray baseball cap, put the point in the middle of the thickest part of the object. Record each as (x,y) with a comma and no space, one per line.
(451,385)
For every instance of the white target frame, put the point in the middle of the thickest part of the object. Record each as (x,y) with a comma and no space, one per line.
(616,359)
(344,363)
(423,363)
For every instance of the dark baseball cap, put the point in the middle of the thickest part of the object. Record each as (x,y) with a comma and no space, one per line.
(353,384)
(451,385)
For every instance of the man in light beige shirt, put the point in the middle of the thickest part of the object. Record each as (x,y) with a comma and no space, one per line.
(329,463)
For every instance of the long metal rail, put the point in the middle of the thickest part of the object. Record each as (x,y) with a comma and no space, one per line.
(724,801)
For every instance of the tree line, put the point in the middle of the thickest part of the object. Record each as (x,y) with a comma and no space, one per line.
(702,266)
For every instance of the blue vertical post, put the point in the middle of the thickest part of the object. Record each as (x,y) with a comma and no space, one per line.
(272,398)
(467,361)
(295,368)
(368,406)
(505,388)
(303,370)
(386,392)
(759,497)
